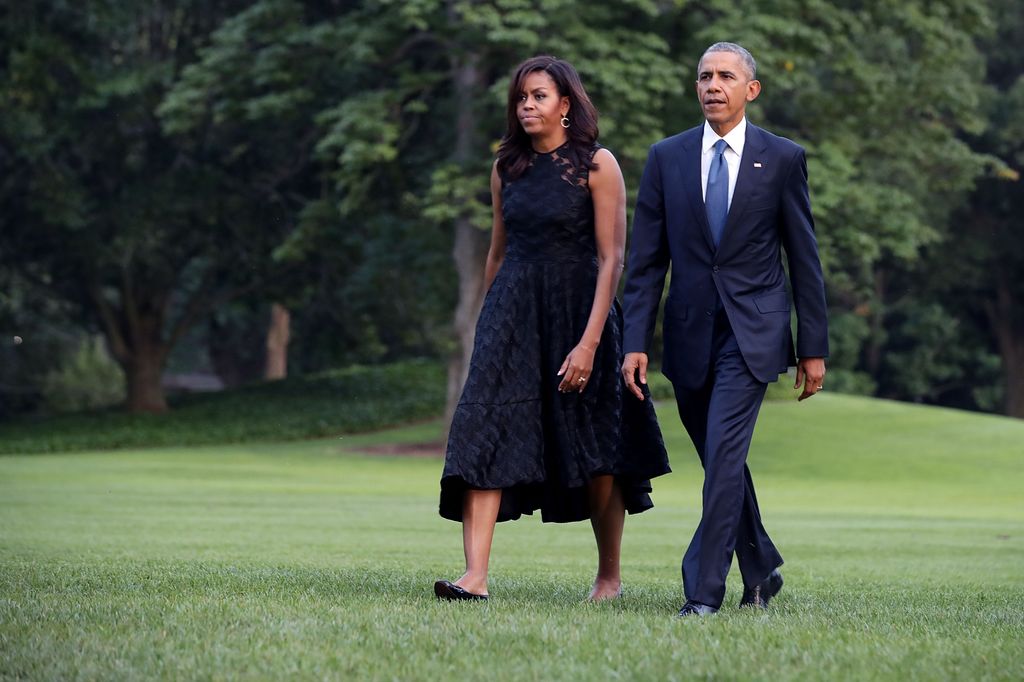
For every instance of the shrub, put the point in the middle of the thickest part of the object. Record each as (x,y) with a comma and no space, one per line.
(87,379)
(350,400)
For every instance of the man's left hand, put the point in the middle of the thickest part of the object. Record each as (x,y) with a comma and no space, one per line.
(811,373)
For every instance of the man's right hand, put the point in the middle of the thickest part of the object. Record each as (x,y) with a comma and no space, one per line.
(633,364)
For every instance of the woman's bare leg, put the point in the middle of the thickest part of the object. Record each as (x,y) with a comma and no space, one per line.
(607,516)
(479,514)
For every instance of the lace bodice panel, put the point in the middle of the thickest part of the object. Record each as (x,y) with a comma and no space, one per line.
(548,212)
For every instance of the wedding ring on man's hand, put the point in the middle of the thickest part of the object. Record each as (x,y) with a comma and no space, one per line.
(820,387)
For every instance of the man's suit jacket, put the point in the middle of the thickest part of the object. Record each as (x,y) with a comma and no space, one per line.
(770,209)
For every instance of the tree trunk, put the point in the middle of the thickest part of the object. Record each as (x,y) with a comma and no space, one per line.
(470,250)
(277,343)
(1008,326)
(1013,361)
(143,372)
(135,339)
(470,253)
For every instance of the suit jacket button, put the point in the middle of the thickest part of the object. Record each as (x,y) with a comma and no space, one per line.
(709,312)
(714,269)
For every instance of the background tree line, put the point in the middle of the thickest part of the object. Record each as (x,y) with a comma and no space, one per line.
(173,170)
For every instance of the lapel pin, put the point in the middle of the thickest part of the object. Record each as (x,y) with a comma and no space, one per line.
(757,164)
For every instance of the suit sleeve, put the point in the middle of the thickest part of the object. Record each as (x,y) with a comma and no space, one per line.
(648,261)
(805,271)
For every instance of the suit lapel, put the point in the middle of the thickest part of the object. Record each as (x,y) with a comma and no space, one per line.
(689,170)
(754,147)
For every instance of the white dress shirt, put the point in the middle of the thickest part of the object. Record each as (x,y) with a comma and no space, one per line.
(732,154)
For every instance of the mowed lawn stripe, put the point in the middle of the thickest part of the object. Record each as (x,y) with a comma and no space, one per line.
(902,527)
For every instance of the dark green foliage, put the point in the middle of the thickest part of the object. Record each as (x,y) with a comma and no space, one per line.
(283,95)
(87,379)
(100,208)
(976,276)
(355,399)
(35,331)
(158,160)
(661,388)
(884,97)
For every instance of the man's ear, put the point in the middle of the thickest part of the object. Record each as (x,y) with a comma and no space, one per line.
(753,90)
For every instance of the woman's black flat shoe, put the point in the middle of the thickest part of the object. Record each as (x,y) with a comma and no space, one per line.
(445,589)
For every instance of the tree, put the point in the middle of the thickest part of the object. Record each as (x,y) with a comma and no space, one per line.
(881,95)
(432,111)
(274,102)
(161,160)
(97,205)
(35,330)
(976,273)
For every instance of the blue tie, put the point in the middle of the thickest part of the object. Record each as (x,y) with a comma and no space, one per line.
(716,199)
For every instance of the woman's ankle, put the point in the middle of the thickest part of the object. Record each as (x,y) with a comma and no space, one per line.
(606,587)
(472,582)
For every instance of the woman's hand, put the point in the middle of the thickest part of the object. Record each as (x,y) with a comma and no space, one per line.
(576,368)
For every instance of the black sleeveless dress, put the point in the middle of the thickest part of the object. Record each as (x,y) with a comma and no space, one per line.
(512,428)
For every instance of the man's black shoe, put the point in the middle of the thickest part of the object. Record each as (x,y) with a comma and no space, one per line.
(693,608)
(759,596)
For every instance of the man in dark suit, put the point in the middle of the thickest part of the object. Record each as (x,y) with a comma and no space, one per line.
(718,203)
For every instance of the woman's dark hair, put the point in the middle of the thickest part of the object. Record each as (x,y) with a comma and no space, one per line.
(515,150)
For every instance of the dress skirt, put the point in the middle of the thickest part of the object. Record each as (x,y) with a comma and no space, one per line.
(513,430)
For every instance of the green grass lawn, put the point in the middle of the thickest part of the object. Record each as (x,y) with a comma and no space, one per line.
(902,527)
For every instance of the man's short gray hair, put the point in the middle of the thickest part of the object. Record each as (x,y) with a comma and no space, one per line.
(745,56)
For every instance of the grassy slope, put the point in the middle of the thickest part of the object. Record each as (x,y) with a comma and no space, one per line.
(902,527)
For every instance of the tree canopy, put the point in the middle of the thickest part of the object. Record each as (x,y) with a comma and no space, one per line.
(163,160)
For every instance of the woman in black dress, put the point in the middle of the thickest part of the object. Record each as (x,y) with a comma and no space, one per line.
(544,421)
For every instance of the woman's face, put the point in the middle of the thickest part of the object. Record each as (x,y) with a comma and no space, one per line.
(540,107)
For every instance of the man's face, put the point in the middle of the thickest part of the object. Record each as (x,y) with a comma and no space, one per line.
(724,87)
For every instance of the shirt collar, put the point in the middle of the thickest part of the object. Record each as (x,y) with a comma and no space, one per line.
(734,138)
